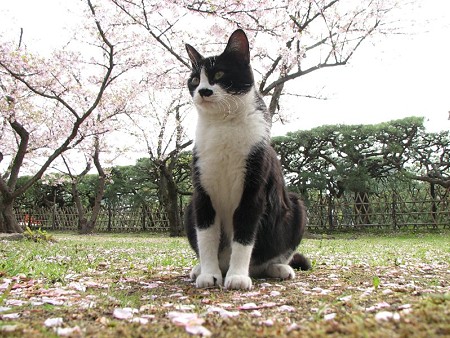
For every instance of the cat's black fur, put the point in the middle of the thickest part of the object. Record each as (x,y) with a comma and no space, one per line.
(266,218)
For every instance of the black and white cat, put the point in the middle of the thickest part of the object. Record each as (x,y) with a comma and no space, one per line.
(241,221)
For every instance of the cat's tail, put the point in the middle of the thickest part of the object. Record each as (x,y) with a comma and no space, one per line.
(300,262)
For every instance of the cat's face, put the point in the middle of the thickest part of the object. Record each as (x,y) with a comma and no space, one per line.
(219,84)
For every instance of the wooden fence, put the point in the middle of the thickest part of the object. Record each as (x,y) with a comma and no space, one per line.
(387,210)
(109,220)
(394,213)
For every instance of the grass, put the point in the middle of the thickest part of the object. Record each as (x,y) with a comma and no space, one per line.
(361,285)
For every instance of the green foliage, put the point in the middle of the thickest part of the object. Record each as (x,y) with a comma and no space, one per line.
(337,158)
(38,235)
(376,282)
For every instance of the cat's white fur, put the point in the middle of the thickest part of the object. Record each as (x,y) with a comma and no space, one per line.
(227,129)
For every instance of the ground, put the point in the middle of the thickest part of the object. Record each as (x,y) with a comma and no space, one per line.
(122,285)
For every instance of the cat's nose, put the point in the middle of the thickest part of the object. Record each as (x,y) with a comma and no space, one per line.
(205,92)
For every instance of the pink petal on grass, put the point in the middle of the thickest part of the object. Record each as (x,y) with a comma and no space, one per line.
(286,308)
(11,316)
(387,315)
(222,312)
(68,331)
(256,313)
(125,313)
(248,306)
(77,286)
(184,319)
(293,327)
(329,316)
(53,322)
(191,322)
(268,322)
(198,330)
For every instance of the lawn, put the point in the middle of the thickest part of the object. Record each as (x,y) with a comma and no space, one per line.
(122,285)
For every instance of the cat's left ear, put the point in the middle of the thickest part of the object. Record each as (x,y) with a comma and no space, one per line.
(195,56)
(238,45)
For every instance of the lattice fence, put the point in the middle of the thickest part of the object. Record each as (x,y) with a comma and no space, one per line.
(413,210)
(383,210)
(112,220)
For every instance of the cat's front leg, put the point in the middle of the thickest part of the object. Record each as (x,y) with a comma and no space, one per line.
(208,245)
(237,275)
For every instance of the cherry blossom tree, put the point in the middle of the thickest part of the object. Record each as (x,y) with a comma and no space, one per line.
(289,39)
(46,103)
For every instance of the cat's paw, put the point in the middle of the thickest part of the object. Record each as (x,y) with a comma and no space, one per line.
(206,280)
(282,271)
(238,282)
(195,272)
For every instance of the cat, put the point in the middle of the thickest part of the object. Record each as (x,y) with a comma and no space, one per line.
(241,221)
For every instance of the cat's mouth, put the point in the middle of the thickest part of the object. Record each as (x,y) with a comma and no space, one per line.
(200,100)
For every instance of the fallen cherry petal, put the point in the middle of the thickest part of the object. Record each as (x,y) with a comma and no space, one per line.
(222,312)
(293,327)
(251,294)
(248,306)
(286,308)
(184,319)
(125,313)
(265,285)
(268,322)
(345,298)
(11,316)
(329,316)
(68,331)
(256,313)
(4,286)
(184,307)
(198,330)
(140,320)
(387,315)
(77,286)
(53,322)
(15,302)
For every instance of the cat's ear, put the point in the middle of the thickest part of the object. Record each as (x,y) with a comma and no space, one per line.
(195,56)
(238,45)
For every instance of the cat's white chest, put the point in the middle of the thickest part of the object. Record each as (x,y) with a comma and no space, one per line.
(222,148)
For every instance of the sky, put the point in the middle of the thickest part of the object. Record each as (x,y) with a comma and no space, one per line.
(392,78)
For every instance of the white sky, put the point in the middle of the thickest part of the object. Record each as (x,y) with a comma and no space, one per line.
(397,77)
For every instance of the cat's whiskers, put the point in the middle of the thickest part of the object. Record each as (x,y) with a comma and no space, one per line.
(226,100)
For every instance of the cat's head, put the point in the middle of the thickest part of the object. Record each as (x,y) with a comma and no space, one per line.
(219,84)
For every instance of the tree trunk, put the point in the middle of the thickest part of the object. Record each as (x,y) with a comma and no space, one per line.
(89,225)
(169,201)
(8,222)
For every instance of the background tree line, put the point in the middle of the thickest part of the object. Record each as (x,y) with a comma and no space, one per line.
(323,163)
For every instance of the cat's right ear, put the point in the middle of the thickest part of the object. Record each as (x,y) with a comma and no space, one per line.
(195,56)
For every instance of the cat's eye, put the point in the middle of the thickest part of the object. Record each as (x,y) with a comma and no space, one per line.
(195,81)
(218,75)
